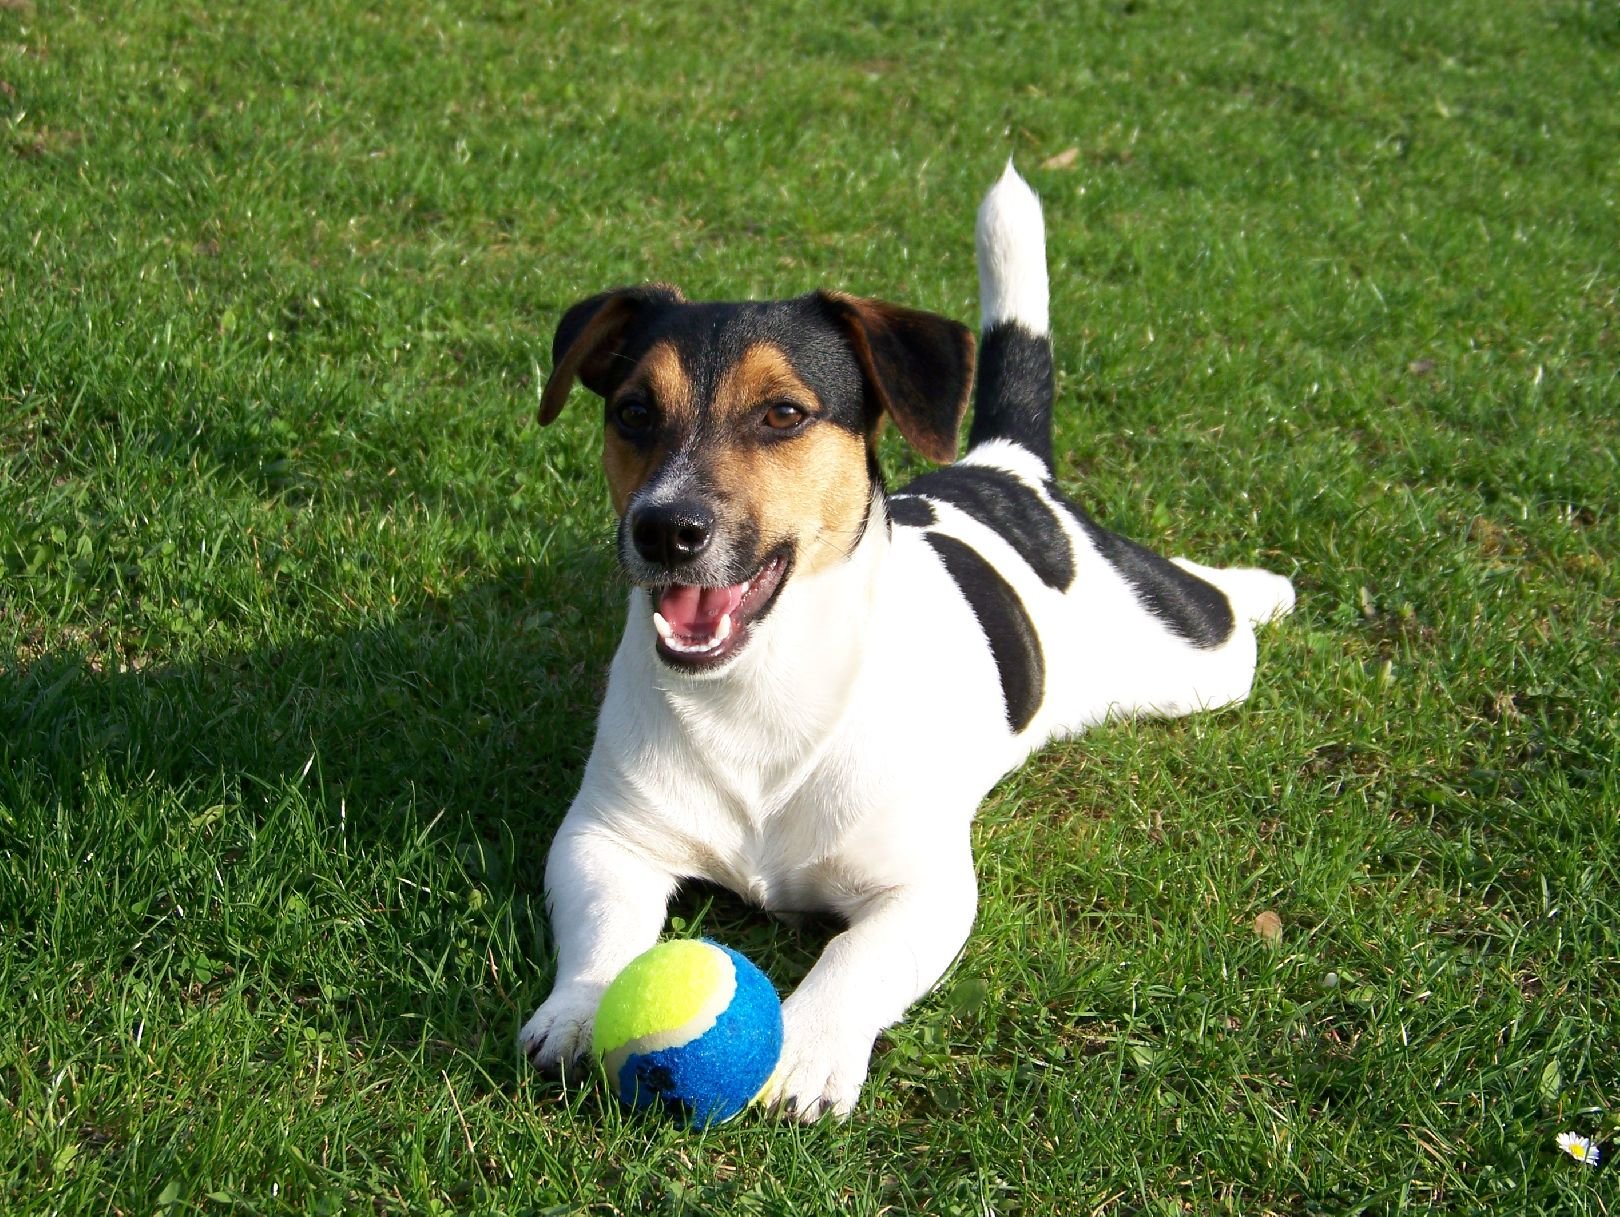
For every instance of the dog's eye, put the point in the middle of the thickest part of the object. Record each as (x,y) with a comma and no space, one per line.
(785,416)
(633,416)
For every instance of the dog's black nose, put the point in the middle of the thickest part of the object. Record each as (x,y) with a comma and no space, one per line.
(671,534)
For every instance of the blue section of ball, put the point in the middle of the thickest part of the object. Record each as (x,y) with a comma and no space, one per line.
(713,1077)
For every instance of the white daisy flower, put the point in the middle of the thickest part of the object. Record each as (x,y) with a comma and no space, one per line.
(1582,1149)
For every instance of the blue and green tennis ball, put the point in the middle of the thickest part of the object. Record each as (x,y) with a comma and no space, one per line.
(692,1027)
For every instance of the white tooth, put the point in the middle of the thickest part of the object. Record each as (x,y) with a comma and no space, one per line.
(691,648)
(665,630)
(723,630)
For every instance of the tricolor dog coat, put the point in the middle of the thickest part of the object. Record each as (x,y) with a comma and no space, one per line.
(820,680)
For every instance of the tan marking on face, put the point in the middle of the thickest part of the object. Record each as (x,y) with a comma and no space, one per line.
(660,380)
(811,488)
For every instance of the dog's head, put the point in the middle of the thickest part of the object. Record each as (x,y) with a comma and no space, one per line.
(739,439)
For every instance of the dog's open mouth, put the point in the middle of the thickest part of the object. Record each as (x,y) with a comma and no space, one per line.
(701,626)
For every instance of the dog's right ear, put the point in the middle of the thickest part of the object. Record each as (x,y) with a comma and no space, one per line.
(588,340)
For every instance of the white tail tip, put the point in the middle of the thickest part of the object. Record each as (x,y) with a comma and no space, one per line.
(1011,240)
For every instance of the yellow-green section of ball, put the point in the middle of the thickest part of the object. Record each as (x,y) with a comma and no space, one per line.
(671,993)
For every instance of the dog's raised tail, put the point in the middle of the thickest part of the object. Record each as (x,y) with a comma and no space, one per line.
(1013,400)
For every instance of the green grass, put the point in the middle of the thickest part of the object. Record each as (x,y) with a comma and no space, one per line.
(302,621)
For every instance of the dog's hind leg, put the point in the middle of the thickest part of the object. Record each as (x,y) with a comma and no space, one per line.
(1181,678)
(1257,596)
(607,906)
(1223,675)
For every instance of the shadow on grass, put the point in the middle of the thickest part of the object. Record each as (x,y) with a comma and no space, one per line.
(479,706)
(441,744)
(460,728)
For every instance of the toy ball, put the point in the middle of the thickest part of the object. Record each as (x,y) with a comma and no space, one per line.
(692,1027)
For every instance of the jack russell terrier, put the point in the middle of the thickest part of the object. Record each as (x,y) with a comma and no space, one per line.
(819,679)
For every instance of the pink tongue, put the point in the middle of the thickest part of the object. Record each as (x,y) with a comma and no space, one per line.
(695,611)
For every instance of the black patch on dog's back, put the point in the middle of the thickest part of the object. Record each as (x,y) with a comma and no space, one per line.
(1012,510)
(1189,606)
(1006,625)
(911,511)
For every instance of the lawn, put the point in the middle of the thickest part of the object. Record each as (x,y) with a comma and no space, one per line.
(303,620)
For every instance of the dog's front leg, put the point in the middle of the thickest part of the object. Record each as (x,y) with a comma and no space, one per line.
(607,904)
(899,943)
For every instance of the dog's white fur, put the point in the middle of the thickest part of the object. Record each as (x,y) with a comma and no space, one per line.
(1010,239)
(836,763)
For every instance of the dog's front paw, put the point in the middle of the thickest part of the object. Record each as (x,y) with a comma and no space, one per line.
(821,1069)
(559,1034)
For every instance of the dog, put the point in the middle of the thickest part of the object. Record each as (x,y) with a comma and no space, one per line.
(819,680)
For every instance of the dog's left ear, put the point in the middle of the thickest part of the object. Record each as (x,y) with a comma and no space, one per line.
(589,337)
(918,367)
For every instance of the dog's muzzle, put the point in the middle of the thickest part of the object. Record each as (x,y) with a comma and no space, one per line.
(705,582)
